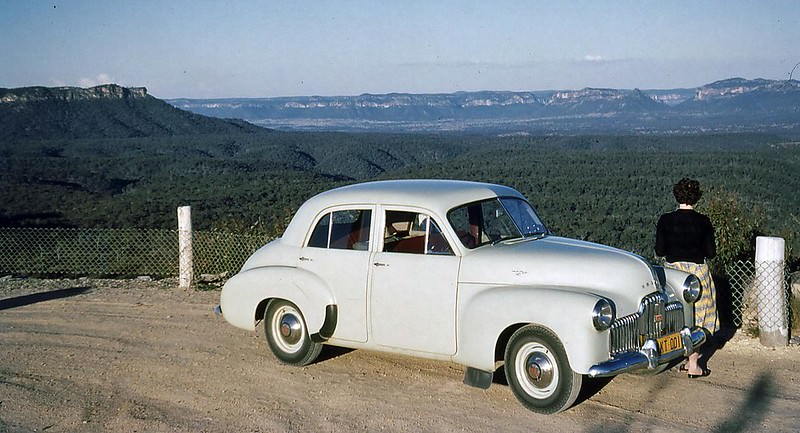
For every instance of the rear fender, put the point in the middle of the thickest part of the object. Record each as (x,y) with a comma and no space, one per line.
(243,293)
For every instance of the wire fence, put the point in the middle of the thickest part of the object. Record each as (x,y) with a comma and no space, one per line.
(137,252)
(118,252)
(219,253)
(753,294)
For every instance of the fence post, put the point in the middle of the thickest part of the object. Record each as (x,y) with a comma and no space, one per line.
(185,246)
(772,321)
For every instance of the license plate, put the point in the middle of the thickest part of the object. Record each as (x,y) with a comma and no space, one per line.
(669,343)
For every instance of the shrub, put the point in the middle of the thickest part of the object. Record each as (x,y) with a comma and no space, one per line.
(736,225)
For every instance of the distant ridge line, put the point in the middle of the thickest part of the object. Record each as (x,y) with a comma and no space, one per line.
(724,106)
(106,111)
(65,93)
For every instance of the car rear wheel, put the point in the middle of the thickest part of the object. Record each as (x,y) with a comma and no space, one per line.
(538,371)
(287,335)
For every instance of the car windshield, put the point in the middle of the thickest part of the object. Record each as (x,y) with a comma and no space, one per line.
(495,220)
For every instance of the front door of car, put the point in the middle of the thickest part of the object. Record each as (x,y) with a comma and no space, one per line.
(336,251)
(413,287)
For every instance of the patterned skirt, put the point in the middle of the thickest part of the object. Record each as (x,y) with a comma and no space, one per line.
(705,309)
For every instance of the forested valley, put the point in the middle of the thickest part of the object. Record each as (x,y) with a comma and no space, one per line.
(607,189)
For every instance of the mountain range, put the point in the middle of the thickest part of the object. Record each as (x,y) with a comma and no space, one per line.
(107,111)
(731,105)
(734,105)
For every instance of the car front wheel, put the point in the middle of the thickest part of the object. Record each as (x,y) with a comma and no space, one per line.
(287,335)
(538,371)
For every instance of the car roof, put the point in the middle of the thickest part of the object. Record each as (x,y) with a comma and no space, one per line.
(436,195)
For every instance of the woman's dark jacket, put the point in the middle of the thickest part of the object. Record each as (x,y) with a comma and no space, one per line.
(685,236)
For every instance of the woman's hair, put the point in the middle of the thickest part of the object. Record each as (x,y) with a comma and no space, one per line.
(687,191)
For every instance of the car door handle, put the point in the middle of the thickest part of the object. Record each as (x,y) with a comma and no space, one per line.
(305,259)
(379,264)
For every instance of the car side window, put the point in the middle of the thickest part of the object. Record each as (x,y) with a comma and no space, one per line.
(437,244)
(494,220)
(319,237)
(344,230)
(466,221)
(413,233)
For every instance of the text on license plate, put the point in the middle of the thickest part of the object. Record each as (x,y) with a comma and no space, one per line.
(670,342)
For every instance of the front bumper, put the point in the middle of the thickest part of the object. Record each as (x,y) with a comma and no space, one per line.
(648,356)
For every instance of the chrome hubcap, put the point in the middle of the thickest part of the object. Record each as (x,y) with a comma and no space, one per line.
(540,370)
(536,370)
(291,329)
(287,329)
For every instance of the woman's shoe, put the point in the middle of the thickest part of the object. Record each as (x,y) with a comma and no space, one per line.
(705,373)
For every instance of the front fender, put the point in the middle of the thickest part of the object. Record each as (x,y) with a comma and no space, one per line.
(242,294)
(485,312)
(673,283)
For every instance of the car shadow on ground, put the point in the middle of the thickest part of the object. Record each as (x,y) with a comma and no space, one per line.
(330,352)
(21,301)
(590,387)
(500,376)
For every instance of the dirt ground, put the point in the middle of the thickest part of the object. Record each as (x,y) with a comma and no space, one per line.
(88,355)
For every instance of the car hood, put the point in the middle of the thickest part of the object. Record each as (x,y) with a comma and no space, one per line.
(563,263)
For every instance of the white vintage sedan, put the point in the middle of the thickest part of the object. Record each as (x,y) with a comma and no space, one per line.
(464,272)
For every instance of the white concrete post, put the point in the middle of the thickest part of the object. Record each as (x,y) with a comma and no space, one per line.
(185,246)
(771,299)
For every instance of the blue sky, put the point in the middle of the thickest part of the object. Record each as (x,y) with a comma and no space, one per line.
(204,49)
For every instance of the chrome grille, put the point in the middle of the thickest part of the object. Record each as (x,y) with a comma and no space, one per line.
(656,317)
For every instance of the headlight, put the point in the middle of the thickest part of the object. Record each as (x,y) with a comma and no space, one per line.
(603,314)
(691,289)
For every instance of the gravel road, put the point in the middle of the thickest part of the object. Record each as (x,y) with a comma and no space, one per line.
(87,355)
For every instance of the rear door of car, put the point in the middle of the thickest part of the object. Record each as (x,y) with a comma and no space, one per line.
(337,250)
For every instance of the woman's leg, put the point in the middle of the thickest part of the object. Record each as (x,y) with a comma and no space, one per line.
(691,364)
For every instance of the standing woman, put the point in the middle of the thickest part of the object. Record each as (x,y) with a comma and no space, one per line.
(685,238)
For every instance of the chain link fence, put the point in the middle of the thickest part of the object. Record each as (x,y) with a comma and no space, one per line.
(222,253)
(118,252)
(746,296)
(136,252)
